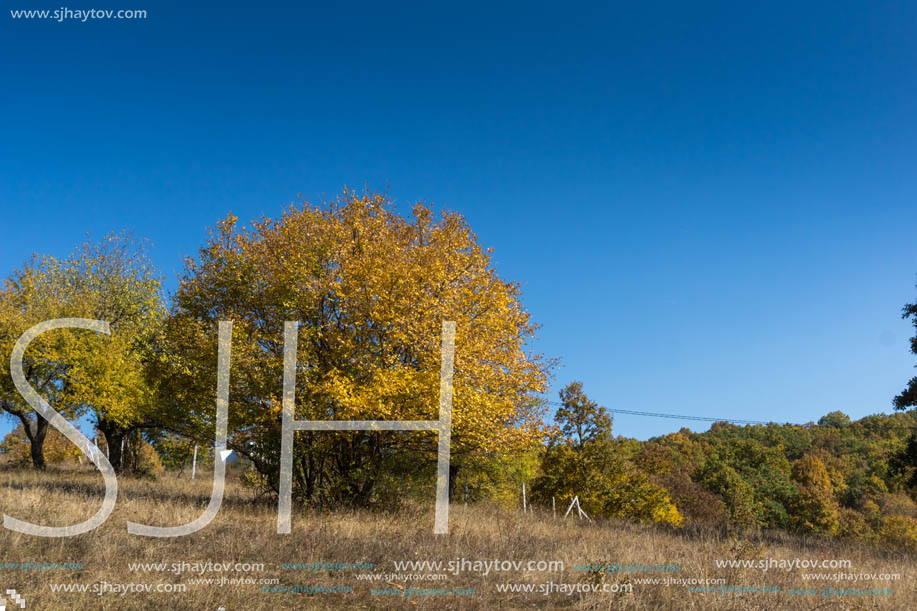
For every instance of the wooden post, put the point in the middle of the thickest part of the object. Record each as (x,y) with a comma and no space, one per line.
(573,503)
(582,513)
(553,508)
(194,463)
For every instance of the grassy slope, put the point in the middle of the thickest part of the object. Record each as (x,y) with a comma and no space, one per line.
(244,531)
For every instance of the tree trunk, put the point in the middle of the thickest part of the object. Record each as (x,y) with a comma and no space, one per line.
(114,434)
(453,479)
(36,430)
(37,447)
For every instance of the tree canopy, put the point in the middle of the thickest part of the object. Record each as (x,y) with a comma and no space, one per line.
(370,289)
(75,371)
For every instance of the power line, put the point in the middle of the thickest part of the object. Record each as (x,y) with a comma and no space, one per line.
(683,417)
(631,412)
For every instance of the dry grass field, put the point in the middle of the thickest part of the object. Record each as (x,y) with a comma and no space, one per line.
(244,532)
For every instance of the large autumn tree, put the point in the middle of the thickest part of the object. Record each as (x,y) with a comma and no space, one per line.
(370,289)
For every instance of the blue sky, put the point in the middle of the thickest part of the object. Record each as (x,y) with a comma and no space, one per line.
(711,207)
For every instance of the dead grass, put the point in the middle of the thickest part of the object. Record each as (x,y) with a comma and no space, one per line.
(245,531)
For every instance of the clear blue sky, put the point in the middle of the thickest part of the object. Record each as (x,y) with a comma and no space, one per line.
(712,207)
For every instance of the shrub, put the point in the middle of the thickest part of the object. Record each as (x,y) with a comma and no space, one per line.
(899,533)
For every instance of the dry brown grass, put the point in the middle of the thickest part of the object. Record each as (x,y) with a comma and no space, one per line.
(244,531)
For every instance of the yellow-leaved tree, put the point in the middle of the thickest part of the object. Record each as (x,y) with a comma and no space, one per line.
(75,370)
(370,289)
(30,296)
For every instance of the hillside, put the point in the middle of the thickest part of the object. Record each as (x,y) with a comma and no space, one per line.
(335,550)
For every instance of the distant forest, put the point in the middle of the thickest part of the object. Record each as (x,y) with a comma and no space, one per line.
(842,478)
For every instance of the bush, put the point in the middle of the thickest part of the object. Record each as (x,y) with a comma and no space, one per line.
(140,458)
(57,448)
(854,525)
(899,533)
(694,502)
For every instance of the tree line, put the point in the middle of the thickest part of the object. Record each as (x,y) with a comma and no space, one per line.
(837,477)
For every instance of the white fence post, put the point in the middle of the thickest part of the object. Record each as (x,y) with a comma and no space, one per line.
(194,463)
(572,503)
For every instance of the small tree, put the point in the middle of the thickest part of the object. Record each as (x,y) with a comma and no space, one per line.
(29,296)
(738,495)
(583,460)
(75,371)
(581,419)
(835,420)
(816,509)
(175,452)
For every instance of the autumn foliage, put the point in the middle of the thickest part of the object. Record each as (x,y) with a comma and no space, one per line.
(370,289)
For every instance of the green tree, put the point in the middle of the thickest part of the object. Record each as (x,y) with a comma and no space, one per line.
(580,419)
(834,419)
(739,496)
(175,452)
(905,462)
(908,397)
